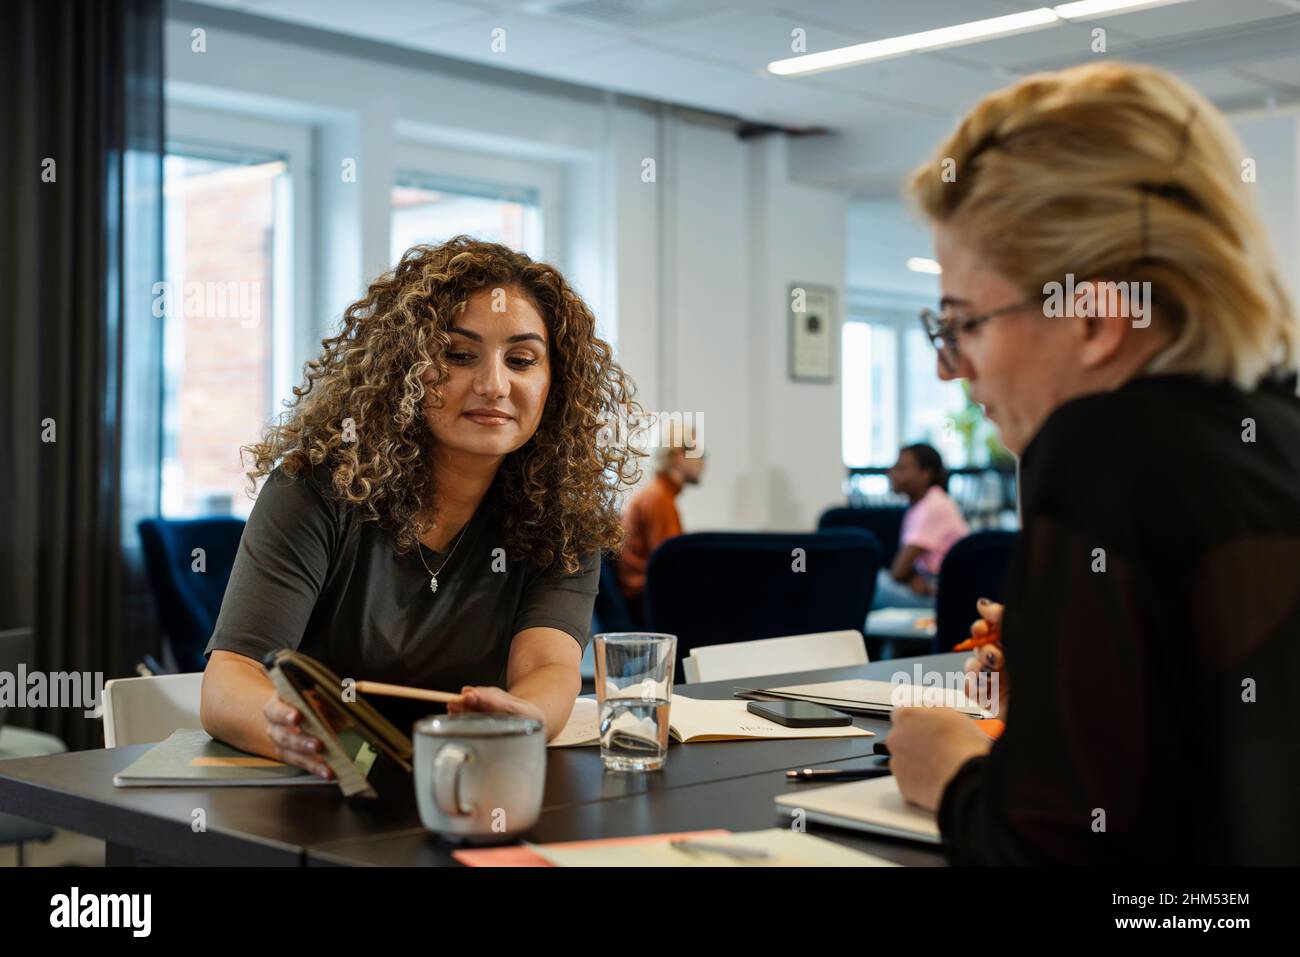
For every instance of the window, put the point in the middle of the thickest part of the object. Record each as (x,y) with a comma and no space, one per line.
(931,404)
(225,259)
(234,309)
(893,395)
(870,396)
(439,192)
(429,210)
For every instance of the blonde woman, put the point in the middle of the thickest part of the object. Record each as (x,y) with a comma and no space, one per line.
(435,502)
(1113,301)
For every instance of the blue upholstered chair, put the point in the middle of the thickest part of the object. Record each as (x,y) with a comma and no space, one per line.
(187,600)
(611,612)
(717,587)
(974,568)
(883,521)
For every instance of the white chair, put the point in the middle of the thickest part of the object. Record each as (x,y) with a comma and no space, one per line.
(774,656)
(144,710)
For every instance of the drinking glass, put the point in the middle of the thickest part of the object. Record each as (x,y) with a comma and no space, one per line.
(634,687)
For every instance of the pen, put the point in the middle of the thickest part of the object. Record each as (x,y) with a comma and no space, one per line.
(837,774)
(739,853)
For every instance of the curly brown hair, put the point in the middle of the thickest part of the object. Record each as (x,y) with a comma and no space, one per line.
(560,488)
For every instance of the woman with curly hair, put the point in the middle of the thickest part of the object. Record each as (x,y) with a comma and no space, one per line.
(435,503)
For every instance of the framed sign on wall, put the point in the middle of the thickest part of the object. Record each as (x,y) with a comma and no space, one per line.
(814,325)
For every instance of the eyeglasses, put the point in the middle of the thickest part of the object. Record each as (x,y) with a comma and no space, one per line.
(943,332)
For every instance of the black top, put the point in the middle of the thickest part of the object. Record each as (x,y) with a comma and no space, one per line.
(1153,705)
(309,575)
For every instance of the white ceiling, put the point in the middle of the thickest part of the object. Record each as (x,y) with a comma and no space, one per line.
(712,54)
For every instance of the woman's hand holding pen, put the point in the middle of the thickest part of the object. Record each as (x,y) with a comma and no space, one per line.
(496,700)
(986,682)
(927,746)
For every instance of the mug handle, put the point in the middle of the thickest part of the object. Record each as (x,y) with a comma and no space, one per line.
(447,767)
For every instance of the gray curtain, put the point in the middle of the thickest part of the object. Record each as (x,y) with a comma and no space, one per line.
(80,242)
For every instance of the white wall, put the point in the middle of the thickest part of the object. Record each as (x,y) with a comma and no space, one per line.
(801,240)
(709,332)
(882,235)
(1273,141)
(705,256)
(688,274)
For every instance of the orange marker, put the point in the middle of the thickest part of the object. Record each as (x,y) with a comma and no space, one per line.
(980,634)
(972,642)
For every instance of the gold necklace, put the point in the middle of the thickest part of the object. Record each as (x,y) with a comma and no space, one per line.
(433,576)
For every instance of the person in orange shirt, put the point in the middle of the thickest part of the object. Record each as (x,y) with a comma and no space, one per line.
(650,517)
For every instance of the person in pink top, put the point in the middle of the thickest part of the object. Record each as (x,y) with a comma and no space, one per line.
(931,525)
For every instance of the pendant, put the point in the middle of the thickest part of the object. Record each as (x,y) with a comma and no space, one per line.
(433,583)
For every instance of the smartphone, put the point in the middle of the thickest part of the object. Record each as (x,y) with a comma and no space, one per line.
(799,714)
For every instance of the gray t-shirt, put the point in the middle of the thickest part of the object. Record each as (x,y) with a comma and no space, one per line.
(309,575)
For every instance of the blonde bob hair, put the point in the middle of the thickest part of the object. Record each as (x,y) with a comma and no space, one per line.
(1119,172)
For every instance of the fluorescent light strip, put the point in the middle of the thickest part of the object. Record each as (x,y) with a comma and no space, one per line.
(913,42)
(921,264)
(1104,8)
(956,35)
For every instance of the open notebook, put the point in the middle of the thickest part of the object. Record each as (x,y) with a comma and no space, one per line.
(860,696)
(690,719)
(787,849)
(873,805)
(784,848)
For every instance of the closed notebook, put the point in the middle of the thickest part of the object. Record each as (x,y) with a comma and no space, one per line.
(190,757)
(874,805)
(863,696)
(690,719)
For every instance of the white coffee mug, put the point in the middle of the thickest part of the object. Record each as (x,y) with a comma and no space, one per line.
(480,776)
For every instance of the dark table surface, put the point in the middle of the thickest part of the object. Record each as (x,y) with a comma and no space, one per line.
(728,784)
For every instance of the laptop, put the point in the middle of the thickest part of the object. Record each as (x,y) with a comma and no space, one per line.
(15,649)
(873,805)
